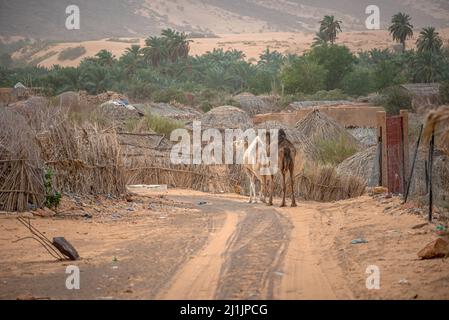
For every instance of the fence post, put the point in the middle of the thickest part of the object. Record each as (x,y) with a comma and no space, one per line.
(382,138)
(410,178)
(431,148)
(405,148)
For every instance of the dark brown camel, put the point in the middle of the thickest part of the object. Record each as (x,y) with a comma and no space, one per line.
(286,163)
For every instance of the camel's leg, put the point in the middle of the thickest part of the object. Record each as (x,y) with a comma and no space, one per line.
(262,189)
(255,190)
(293,190)
(270,201)
(251,182)
(284,187)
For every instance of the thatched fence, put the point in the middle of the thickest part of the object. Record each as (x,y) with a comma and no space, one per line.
(84,159)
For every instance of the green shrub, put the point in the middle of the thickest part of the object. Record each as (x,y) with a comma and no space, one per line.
(71,53)
(154,123)
(167,95)
(359,82)
(303,75)
(52,198)
(335,151)
(396,99)
(322,95)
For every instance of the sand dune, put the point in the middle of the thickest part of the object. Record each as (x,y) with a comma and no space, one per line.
(252,44)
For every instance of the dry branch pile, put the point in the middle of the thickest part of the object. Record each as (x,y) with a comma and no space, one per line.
(21,184)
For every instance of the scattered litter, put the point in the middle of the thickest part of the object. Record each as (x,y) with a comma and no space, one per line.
(440,230)
(358,241)
(115,267)
(279,273)
(403,281)
(201,203)
(152,187)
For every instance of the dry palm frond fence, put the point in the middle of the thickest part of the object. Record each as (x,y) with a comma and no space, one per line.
(84,160)
(147,161)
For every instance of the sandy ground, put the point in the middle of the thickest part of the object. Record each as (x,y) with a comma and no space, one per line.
(252,44)
(175,246)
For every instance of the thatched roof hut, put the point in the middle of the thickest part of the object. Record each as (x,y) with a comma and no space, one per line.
(170,111)
(362,164)
(253,105)
(226,117)
(318,126)
(423,95)
(301,142)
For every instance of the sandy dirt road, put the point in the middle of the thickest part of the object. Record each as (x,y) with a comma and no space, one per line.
(217,246)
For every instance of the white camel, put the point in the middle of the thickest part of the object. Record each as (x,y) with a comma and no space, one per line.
(254,153)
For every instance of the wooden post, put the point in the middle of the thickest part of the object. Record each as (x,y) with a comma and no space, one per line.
(405,148)
(382,139)
(431,148)
(410,178)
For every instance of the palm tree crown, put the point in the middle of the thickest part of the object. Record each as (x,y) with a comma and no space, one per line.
(401,29)
(329,28)
(429,41)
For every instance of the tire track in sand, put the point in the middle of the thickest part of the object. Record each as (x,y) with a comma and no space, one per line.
(198,279)
(303,277)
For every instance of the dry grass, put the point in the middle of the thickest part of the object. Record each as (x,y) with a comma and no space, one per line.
(323,183)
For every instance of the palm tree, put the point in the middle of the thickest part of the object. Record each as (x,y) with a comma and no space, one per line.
(96,79)
(72,79)
(271,59)
(105,57)
(330,28)
(429,41)
(320,39)
(133,51)
(177,44)
(401,29)
(155,50)
(427,67)
(131,59)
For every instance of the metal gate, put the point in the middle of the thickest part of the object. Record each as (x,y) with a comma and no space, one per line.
(393,142)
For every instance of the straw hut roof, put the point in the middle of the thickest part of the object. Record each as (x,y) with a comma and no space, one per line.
(226,117)
(301,142)
(362,164)
(298,105)
(422,89)
(170,111)
(252,104)
(318,126)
